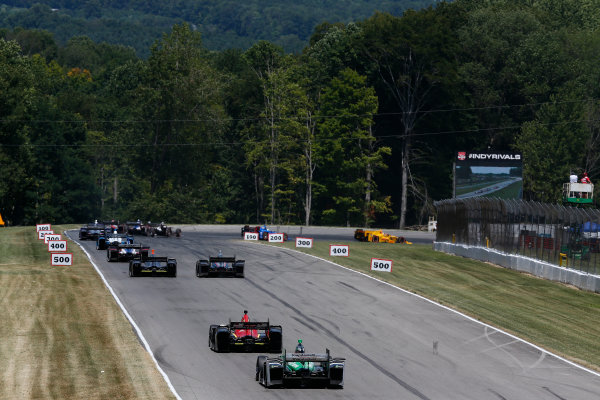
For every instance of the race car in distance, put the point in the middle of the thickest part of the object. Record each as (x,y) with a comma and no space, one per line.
(154,266)
(91,231)
(126,252)
(135,228)
(220,266)
(245,336)
(106,239)
(378,236)
(263,232)
(300,369)
(113,226)
(152,229)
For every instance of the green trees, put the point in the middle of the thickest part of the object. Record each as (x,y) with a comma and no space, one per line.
(360,128)
(350,153)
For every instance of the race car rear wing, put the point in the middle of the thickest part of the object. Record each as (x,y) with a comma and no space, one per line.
(129,245)
(249,325)
(222,259)
(311,357)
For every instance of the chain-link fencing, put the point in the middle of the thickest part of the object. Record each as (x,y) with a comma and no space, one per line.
(566,236)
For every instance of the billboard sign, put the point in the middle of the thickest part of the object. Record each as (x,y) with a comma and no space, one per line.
(488,174)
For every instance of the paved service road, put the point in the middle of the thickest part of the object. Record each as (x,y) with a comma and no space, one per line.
(397,346)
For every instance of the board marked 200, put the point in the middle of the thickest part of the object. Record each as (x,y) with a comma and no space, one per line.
(275,237)
(42,234)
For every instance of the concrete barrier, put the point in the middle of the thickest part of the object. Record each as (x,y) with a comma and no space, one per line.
(531,266)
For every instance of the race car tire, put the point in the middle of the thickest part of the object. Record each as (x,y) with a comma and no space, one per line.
(375,239)
(211,336)
(260,362)
(177,232)
(131,273)
(400,239)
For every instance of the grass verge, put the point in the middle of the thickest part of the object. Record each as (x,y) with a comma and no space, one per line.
(559,318)
(63,335)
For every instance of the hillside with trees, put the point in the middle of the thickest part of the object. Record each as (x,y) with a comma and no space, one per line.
(223,24)
(360,128)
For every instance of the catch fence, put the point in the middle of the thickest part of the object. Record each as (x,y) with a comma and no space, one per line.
(566,236)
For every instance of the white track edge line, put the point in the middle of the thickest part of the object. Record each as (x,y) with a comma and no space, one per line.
(138,331)
(450,309)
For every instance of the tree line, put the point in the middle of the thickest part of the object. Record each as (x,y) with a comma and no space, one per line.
(223,23)
(360,128)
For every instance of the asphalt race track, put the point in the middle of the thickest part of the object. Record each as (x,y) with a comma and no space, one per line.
(397,346)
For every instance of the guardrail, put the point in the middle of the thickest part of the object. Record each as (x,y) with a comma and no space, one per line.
(565,236)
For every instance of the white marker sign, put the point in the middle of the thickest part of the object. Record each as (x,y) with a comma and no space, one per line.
(304,242)
(275,237)
(339,250)
(51,236)
(42,234)
(61,258)
(377,264)
(57,246)
(250,236)
(42,227)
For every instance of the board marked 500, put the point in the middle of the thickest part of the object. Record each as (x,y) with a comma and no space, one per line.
(61,258)
(378,264)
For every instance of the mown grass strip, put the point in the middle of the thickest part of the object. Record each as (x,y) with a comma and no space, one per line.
(63,335)
(559,318)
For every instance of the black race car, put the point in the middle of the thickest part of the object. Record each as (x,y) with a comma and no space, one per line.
(154,229)
(91,231)
(153,266)
(126,252)
(220,266)
(301,370)
(245,336)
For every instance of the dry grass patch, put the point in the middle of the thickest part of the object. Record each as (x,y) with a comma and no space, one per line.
(63,335)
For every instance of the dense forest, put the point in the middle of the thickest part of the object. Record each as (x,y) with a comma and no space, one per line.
(360,128)
(224,24)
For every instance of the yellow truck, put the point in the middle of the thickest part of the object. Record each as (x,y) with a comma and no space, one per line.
(363,235)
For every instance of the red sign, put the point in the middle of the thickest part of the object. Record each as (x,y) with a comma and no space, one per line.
(462,155)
